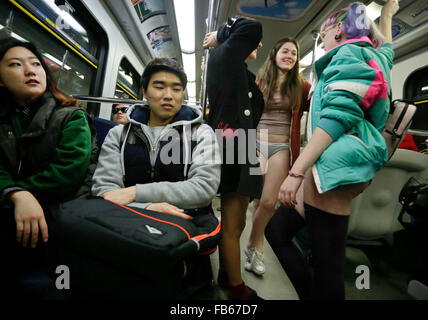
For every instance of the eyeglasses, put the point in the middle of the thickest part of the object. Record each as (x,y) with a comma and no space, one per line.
(324,33)
(123,110)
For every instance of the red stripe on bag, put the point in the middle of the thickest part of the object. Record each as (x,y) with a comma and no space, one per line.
(207,252)
(206,235)
(144,215)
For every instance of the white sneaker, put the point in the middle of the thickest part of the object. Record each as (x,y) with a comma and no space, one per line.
(248,263)
(254,261)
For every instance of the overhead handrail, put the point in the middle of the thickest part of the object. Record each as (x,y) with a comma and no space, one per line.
(419,133)
(108,99)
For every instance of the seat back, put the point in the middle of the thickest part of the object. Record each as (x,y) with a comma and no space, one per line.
(102,126)
(374,213)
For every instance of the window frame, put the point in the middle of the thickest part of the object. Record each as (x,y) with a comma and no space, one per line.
(134,95)
(85,16)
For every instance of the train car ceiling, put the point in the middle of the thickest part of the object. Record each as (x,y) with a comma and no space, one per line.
(150,25)
(410,31)
(153,28)
(274,9)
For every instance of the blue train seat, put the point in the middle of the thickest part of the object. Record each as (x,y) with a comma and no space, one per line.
(102,127)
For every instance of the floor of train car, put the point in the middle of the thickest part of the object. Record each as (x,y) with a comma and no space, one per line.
(385,282)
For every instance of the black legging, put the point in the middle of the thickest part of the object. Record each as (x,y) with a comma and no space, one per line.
(327,237)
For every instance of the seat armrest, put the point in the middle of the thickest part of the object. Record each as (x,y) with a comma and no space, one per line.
(408,160)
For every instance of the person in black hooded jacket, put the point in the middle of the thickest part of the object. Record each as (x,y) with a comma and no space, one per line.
(236,105)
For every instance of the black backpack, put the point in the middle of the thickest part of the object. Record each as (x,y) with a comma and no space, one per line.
(414,199)
(117,251)
(408,253)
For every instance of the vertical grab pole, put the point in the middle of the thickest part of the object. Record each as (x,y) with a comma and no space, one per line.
(210,27)
(315,37)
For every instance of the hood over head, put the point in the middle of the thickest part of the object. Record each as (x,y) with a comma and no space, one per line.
(140,114)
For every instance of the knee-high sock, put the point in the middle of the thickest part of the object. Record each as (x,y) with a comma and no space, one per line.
(327,237)
(281,229)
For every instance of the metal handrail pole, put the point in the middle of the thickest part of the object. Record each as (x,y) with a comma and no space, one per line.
(210,27)
(419,133)
(107,99)
(315,37)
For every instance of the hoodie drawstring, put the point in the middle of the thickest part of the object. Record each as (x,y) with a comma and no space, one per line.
(122,151)
(186,151)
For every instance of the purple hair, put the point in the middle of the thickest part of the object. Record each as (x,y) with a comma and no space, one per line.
(355,23)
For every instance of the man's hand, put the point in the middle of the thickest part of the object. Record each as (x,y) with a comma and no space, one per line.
(122,196)
(29,218)
(169,209)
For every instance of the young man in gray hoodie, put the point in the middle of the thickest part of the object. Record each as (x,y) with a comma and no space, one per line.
(165,159)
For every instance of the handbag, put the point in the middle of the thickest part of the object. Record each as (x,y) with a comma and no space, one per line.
(397,124)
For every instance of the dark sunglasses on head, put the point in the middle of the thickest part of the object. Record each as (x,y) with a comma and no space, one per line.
(123,110)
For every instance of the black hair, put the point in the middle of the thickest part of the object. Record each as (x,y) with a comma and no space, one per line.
(51,84)
(163,64)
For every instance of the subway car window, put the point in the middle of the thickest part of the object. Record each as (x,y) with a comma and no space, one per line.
(128,81)
(416,90)
(63,15)
(6,20)
(73,68)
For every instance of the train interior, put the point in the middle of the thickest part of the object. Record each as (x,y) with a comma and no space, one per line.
(99,49)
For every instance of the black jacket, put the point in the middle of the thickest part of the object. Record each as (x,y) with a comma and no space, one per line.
(234,99)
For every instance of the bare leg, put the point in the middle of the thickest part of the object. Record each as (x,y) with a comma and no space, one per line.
(263,166)
(276,172)
(233,214)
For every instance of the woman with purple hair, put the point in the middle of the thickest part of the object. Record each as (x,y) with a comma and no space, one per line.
(349,108)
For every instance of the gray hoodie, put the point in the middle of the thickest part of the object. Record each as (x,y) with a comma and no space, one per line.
(202,166)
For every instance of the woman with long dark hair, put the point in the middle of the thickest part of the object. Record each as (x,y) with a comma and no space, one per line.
(286,97)
(45,154)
